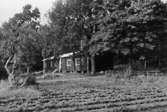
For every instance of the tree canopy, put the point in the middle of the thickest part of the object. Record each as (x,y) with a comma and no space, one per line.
(20,36)
(134,29)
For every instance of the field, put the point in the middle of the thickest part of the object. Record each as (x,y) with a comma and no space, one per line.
(75,93)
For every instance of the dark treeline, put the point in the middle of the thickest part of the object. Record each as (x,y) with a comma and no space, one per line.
(133,30)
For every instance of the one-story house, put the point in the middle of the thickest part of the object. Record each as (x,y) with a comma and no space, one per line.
(103,62)
(49,63)
(66,62)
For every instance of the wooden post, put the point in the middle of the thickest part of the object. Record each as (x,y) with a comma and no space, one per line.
(82,65)
(73,58)
(28,70)
(44,61)
(145,64)
(81,58)
(44,67)
(93,64)
(87,64)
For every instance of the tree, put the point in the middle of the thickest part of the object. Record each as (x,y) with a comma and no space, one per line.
(131,28)
(82,20)
(47,44)
(20,32)
(123,27)
(65,27)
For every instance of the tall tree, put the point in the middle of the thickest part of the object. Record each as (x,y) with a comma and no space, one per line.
(20,31)
(126,27)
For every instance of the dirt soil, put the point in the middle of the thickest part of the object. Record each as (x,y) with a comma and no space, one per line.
(93,94)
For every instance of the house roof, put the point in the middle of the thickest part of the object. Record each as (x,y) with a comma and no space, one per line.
(67,54)
(50,58)
(60,56)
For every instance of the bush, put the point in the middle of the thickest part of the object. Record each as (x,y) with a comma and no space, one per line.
(25,80)
(163,69)
(29,80)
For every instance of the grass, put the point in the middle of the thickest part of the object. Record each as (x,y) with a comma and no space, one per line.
(91,94)
(22,92)
(5,91)
(4,84)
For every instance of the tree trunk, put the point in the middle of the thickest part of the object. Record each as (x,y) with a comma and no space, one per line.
(10,74)
(51,64)
(44,66)
(93,65)
(73,58)
(28,70)
(128,72)
(14,65)
(82,64)
(87,64)
(145,64)
(44,61)
(129,69)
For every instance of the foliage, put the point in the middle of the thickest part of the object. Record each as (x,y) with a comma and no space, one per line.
(129,27)
(58,26)
(134,29)
(21,36)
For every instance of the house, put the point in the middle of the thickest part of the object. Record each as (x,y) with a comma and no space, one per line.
(49,63)
(66,63)
(103,61)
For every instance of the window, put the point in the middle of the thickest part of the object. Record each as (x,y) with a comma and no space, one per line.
(77,61)
(69,62)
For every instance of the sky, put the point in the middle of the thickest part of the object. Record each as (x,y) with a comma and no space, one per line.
(10,7)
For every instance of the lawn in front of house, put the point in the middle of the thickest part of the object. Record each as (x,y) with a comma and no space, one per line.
(91,94)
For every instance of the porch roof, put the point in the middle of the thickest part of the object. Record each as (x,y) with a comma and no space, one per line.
(50,58)
(68,54)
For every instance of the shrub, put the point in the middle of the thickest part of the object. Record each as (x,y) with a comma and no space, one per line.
(29,80)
